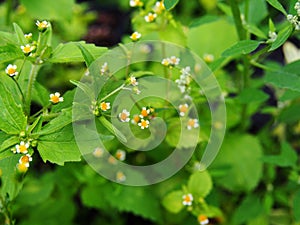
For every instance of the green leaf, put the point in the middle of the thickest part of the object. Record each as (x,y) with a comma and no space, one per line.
(212,31)
(59,147)
(90,197)
(200,184)
(277,5)
(52,10)
(8,38)
(13,140)
(12,118)
(250,95)
(241,47)
(296,204)
(70,52)
(282,36)
(85,88)
(290,114)
(10,185)
(20,34)
(287,158)
(88,58)
(288,77)
(250,208)
(204,20)
(138,200)
(242,154)
(170,4)
(36,191)
(40,94)
(10,52)
(173,201)
(64,119)
(255,30)
(112,129)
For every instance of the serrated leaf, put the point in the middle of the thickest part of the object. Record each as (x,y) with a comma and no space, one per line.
(10,185)
(282,36)
(138,200)
(85,88)
(64,119)
(250,208)
(173,201)
(112,129)
(69,52)
(288,77)
(12,118)
(13,140)
(204,20)
(241,47)
(277,5)
(170,4)
(242,154)
(20,34)
(251,95)
(287,157)
(200,184)
(88,58)
(10,52)
(59,147)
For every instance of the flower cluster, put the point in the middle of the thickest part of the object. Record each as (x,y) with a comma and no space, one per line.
(104,69)
(184,79)
(294,19)
(25,159)
(132,81)
(171,61)
(99,107)
(142,119)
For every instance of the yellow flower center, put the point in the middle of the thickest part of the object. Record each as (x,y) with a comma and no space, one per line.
(123,116)
(22,167)
(104,106)
(23,148)
(55,99)
(119,155)
(151,17)
(136,118)
(202,219)
(144,123)
(24,159)
(187,198)
(191,123)
(144,112)
(27,49)
(134,36)
(11,70)
(183,108)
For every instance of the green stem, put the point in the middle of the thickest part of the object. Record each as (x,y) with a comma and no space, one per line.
(9,5)
(20,90)
(237,19)
(261,66)
(6,212)
(32,78)
(21,68)
(112,93)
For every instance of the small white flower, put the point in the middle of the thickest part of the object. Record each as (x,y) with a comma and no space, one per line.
(104,68)
(98,152)
(42,25)
(27,49)
(144,124)
(174,61)
(159,7)
(120,155)
(192,123)
(144,112)
(55,98)
(11,70)
(135,36)
(28,36)
(133,81)
(22,147)
(150,17)
(104,106)
(183,109)
(203,220)
(124,116)
(135,3)
(25,159)
(120,176)
(187,199)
